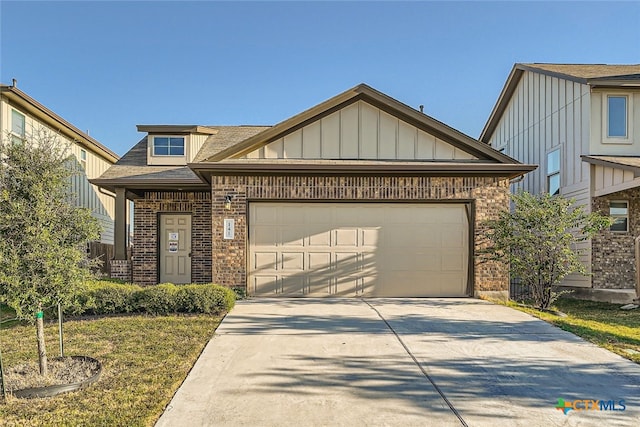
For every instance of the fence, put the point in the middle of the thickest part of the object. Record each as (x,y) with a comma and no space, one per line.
(104,252)
(518,291)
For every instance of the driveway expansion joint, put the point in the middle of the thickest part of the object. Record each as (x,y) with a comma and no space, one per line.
(422,369)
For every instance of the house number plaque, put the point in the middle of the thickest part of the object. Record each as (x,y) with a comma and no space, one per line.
(229,229)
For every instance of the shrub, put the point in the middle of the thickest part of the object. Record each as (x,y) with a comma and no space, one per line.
(240,291)
(210,299)
(157,299)
(108,297)
(104,297)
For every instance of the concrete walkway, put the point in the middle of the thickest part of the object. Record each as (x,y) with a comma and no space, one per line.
(398,362)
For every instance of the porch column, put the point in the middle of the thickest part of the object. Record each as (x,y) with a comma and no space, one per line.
(120,226)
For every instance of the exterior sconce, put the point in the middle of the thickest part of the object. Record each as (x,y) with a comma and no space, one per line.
(227,202)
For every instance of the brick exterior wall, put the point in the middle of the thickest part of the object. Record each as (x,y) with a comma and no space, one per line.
(613,253)
(145,238)
(490,196)
(120,269)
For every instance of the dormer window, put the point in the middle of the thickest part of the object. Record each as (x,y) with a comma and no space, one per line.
(168,145)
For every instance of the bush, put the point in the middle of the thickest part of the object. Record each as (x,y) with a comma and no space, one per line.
(210,299)
(108,297)
(104,297)
(158,299)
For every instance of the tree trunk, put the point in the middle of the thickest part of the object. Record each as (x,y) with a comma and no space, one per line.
(42,350)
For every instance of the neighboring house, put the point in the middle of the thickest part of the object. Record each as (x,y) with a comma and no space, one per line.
(359,195)
(581,124)
(23,117)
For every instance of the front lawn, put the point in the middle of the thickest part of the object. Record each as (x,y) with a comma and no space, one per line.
(144,361)
(600,323)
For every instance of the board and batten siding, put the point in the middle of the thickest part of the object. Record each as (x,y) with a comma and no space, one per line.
(359,132)
(607,180)
(86,194)
(547,113)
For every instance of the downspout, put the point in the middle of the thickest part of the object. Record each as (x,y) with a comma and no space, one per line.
(106,193)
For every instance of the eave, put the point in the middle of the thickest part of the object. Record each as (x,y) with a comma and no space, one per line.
(444,169)
(36,109)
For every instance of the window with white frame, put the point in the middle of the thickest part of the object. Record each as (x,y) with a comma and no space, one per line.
(553,172)
(168,145)
(617,107)
(619,211)
(83,158)
(17,127)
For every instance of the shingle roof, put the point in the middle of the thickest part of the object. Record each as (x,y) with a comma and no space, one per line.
(625,162)
(133,168)
(587,71)
(226,137)
(592,74)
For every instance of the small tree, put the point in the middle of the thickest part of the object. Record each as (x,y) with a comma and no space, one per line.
(42,233)
(538,238)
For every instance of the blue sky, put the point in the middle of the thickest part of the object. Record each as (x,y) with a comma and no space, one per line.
(107,66)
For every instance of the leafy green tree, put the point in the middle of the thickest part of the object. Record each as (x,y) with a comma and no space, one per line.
(539,237)
(42,233)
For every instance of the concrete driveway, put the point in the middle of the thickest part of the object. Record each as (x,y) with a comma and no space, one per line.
(399,362)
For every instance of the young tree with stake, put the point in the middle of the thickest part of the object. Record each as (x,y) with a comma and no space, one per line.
(42,233)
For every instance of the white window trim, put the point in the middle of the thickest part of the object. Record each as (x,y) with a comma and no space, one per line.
(546,169)
(24,125)
(83,162)
(168,156)
(606,139)
(626,202)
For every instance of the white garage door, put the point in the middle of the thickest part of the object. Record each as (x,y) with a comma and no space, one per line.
(358,249)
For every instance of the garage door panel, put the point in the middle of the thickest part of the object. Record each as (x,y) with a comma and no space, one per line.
(292,236)
(265,261)
(265,285)
(346,285)
(319,261)
(264,235)
(319,237)
(293,285)
(345,237)
(370,237)
(451,261)
(292,261)
(320,214)
(345,262)
(264,214)
(292,215)
(319,285)
(350,249)
(452,237)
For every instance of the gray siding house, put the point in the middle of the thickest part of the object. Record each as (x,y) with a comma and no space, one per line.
(581,124)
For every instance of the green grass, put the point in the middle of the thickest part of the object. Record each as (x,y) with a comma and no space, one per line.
(600,323)
(144,361)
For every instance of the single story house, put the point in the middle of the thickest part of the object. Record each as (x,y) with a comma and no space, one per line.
(360,195)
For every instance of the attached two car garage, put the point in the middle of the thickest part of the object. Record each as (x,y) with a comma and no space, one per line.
(359,249)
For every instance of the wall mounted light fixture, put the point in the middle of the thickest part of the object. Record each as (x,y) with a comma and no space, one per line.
(227,202)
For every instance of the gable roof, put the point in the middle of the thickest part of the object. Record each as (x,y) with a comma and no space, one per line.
(225,144)
(53,120)
(590,74)
(377,99)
